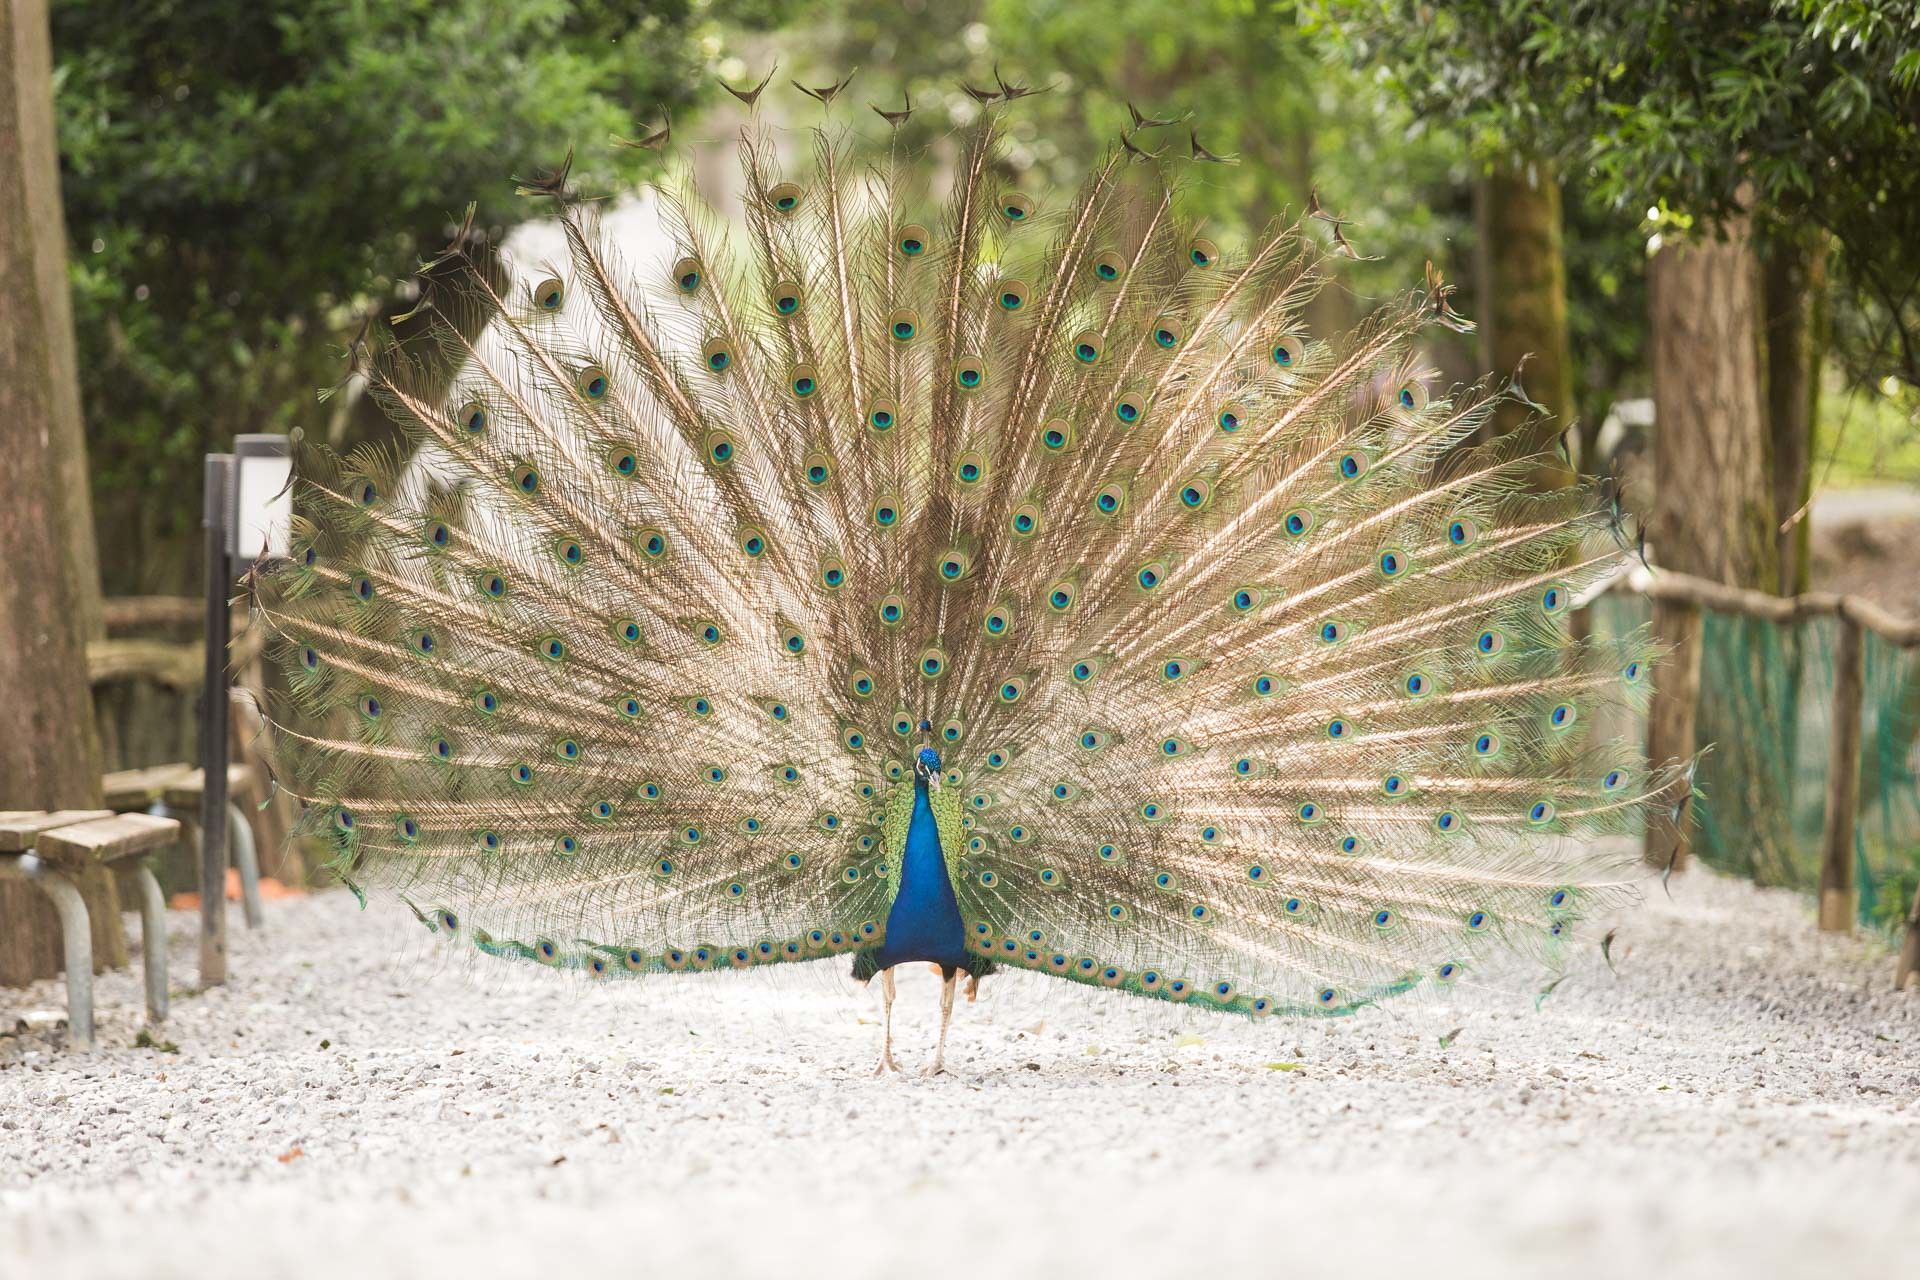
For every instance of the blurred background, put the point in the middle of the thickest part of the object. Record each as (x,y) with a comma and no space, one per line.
(1693,230)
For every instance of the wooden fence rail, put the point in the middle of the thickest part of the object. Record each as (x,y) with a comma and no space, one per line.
(1856,617)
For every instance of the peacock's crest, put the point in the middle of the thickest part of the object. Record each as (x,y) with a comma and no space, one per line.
(1249,675)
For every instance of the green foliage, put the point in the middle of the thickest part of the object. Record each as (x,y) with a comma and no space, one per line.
(245,180)
(1806,111)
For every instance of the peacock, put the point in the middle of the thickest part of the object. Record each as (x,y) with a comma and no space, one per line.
(917,568)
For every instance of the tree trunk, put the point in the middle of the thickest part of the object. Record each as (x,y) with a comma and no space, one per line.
(1522,287)
(49,755)
(1794,272)
(1714,504)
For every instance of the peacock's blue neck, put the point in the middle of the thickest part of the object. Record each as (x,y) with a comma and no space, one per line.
(924,923)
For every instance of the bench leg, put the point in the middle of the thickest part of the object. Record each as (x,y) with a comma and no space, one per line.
(153,937)
(76,935)
(240,838)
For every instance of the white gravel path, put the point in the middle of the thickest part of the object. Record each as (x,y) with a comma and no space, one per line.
(1737,1101)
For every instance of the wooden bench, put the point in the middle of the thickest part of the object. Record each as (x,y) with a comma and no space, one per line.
(43,848)
(174,791)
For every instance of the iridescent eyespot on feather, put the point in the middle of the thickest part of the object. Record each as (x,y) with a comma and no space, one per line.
(1446,821)
(784,197)
(1352,465)
(1230,418)
(969,373)
(1109,853)
(521,775)
(486,702)
(1110,499)
(1394,786)
(651,542)
(566,750)
(436,535)
(1130,407)
(1338,728)
(1016,207)
(592,383)
(1061,595)
(1487,746)
(997,759)
(903,325)
(1083,671)
(1632,672)
(717,354)
(1393,563)
(1477,921)
(1418,684)
(803,381)
(818,469)
(902,724)
(687,275)
(1412,397)
(1088,347)
(700,706)
(1150,576)
(1266,684)
(565,846)
(720,447)
(1294,906)
(1025,521)
(882,414)
(1541,812)
(793,641)
(422,642)
(1350,844)
(1012,294)
(623,462)
(1168,332)
(833,573)
(971,468)
(1298,522)
(1614,780)
(1108,266)
(998,621)
(1093,739)
(1195,494)
(1309,812)
(886,511)
(1056,436)
(1333,632)
(1118,911)
(933,663)
(892,609)
(753,543)
(1554,599)
(1012,689)
(1287,351)
(952,731)
(1154,811)
(1560,900)
(472,417)
(1448,971)
(365,492)
(549,294)
(310,658)
(1562,716)
(1489,642)
(861,684)
(1203,253)
(1462,531)
(1245,599)
(570,552)
(1173,670)
(912,241)
(553,649)
(988,879)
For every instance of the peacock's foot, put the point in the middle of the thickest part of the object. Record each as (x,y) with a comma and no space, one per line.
(937,1069)
(886,1064)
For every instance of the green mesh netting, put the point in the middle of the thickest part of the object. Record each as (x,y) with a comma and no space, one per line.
(1766,707)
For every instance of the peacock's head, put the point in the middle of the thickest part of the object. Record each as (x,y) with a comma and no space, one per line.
(926,765)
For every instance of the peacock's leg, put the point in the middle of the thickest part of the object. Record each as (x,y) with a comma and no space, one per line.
(886,1001)
(946,1016)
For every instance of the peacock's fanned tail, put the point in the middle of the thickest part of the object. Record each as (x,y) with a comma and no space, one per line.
(1251,674)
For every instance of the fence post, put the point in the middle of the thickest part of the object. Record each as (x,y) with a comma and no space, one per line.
(1908,969)
(1676,704)
(1837,903)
